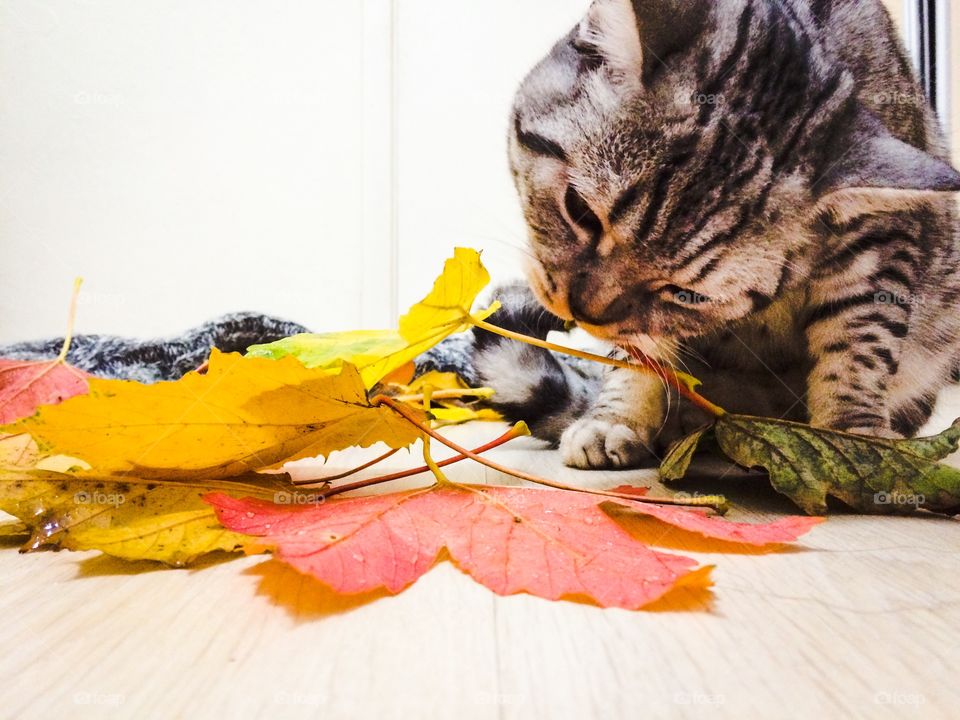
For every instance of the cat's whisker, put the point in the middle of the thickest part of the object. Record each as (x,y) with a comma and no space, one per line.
(693,354)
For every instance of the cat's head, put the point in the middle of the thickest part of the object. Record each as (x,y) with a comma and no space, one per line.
(670,156)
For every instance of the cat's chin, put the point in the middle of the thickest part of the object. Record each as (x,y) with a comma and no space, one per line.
(662,349)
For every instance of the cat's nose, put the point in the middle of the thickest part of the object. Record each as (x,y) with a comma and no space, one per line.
(595,305)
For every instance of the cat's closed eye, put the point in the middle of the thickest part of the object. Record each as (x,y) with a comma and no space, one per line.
(537,144)
(580,213)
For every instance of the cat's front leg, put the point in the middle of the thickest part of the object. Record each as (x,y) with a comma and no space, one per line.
(855,338)
(620,428)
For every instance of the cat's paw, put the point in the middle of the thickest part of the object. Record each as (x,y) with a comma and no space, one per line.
(595,444)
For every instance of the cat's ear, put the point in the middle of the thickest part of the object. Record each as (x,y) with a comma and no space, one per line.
(668,27)
(868,161)
(609,33)
(639,37)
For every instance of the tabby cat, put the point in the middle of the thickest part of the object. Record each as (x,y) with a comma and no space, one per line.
(755,190)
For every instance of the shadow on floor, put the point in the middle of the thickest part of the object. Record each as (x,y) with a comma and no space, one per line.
(105,565)
(304,597)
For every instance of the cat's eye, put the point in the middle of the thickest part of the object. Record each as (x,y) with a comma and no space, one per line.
(537,144)
(580,213)
(683,296)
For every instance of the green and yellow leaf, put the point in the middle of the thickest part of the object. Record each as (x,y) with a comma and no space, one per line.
(377,353)
(809,464)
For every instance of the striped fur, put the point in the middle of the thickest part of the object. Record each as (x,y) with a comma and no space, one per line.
(757,189)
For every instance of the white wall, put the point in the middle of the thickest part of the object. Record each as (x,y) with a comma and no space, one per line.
(458,65)
(311,159)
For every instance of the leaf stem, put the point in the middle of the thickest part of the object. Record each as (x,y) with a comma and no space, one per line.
(675,380)
(348,473)
(68,338)
(431,463)
(514,433)
(680,382)
(715,502)
(482,393)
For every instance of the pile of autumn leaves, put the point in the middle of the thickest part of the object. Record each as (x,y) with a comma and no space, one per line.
(175,470)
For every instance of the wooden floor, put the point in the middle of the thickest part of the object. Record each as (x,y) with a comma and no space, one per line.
(860,620)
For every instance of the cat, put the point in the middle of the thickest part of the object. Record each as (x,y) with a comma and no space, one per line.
(755,191)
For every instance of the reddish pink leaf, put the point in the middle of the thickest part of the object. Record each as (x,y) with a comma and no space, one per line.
(554,544)
(545,542)
(352,545)
(25,386)
(784,530)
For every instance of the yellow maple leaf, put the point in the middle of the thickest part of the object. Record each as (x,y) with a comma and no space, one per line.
(377,353)
(244,414)
(126,517)
(446,310)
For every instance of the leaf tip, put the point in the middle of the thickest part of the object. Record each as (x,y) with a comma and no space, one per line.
(521,429)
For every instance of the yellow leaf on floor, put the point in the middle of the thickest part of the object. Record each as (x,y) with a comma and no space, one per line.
(244,414)
(127,517)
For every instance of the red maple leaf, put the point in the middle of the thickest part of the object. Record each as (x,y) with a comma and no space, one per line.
(548,543)
(784,530)
(25,386)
